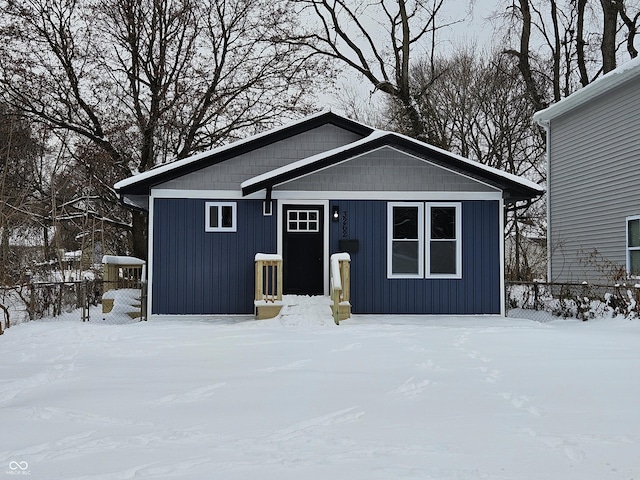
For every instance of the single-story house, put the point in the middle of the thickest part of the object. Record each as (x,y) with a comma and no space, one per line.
(424,227)
(593,199)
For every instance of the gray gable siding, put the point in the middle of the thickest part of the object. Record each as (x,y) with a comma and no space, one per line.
(593,184)
(386,169)
(230,174)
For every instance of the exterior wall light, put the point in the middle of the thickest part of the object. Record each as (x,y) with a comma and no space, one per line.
(335,213)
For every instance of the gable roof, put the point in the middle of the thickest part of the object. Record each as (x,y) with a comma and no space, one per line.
(141,184)
(514,188)
(624,73)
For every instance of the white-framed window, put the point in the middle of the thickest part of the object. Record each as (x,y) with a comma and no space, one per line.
(444,240)
(220,217)
(424,240)
(633,246)
(405,246)
(303,221)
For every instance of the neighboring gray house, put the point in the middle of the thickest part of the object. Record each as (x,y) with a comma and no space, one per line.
(593,179)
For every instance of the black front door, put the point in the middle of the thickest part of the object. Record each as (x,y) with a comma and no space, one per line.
(302,245)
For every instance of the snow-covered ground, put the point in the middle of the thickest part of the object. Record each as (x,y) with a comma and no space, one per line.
(298,397)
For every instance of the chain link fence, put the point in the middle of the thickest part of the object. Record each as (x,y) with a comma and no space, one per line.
(85,301)
(544,302)
(125,302)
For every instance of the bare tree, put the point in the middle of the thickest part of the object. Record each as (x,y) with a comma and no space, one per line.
(483,112)
(376,40)
(147,81)
(18,193)
(564,44)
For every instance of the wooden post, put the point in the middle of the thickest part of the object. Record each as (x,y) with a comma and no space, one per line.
(268,285)
(258,283)
(345,275)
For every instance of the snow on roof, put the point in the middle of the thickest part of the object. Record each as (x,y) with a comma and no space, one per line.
(186,161)
(376,134)
(603,84)
(122,260)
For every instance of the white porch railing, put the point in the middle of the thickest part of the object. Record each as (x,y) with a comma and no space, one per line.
(341,286)
(268,293)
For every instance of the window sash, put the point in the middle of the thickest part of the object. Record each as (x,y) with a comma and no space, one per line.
(303,221)
(405,254)
(444,240)
(633,246)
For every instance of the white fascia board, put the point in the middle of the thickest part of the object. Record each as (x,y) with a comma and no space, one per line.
(328,195)
(620,75)
(206,194)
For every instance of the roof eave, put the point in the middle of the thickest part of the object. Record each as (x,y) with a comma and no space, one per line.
(149,180)
(611,80)
(513,191)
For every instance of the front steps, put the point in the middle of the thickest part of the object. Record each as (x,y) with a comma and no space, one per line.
(301,309)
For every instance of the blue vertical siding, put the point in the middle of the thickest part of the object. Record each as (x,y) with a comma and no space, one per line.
(198,272)
(477,292)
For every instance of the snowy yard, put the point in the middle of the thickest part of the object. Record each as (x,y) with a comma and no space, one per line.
(374,398)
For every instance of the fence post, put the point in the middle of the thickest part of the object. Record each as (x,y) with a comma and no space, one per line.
(535,295)
(143,300)
(32,301)
(84,300)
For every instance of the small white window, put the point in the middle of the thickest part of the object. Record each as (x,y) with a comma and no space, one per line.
(303,221)
(220,217)
(444,245)
(633,246)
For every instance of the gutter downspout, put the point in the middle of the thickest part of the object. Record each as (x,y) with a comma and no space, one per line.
(546,124)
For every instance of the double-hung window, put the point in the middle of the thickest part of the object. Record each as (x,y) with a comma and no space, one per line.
(444,256)
(220,217)
(424,240)
(633,246)
(406,243)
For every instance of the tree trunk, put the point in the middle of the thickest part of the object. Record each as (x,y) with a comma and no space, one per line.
(4,249)
(139,245)
(524,57)
(580,43)
(608,46)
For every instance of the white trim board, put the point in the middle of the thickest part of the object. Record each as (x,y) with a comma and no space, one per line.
(296,195)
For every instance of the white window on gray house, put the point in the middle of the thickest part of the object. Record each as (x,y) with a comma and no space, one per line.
(220,217)
(633,246)
(424,240)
